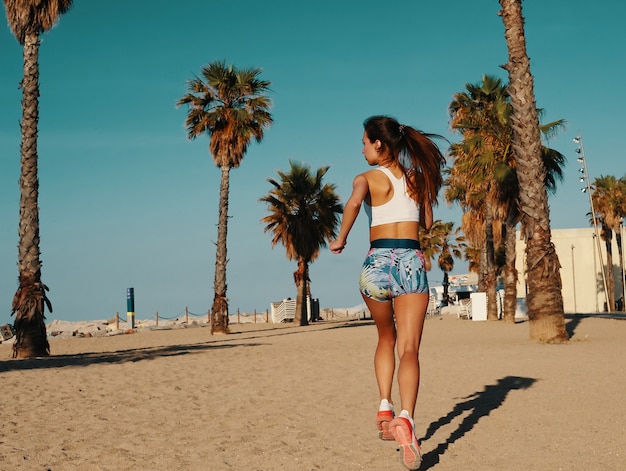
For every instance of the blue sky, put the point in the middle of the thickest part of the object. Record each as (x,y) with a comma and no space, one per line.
(127,201)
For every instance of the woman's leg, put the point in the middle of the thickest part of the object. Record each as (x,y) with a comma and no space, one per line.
(384,358)
(410,312)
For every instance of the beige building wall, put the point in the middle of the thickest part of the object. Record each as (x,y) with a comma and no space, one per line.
(581,275)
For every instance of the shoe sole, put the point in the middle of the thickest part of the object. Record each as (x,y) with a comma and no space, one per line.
(411,455)
(382,422)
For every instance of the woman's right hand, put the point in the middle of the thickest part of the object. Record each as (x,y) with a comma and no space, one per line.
(336,246)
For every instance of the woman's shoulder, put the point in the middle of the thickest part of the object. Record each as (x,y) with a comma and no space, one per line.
(377,180)
(376,172)
(380,174)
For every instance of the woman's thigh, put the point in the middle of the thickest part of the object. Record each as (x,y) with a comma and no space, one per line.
(410,313)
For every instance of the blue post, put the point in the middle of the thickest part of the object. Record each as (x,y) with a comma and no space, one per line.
(130,306)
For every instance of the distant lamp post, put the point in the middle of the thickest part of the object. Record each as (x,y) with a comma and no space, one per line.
(580,150)
(595,270)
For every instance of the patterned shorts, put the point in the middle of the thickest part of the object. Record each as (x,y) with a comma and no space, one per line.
(391,272)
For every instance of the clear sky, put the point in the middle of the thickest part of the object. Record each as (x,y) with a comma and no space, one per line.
(127,201)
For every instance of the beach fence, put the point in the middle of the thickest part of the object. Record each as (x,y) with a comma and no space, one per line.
(279,312)
(187,318)
(354,313)
(160,318)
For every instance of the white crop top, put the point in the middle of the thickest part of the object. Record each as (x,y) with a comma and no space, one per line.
(401,207)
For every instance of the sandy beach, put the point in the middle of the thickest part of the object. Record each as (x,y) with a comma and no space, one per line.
(284,397)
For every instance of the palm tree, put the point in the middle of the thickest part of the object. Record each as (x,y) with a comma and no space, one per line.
(544,300)
(451,245)
(430,243)
(483,180)
(481,115)
(304,213)
(609,200)
(230,106)
(506,178)
(28,19)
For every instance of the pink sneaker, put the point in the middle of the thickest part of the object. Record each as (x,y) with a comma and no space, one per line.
(383,418)
(402,431)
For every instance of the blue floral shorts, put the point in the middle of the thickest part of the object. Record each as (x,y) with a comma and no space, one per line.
(391,272)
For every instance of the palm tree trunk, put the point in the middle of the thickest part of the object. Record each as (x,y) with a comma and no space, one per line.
(510,273)
(30,299)
(618,238)
(301,277)
(610,276)
(446,288)
(304,318)
(490,279)
(482,269)
(544,300)
(219,310)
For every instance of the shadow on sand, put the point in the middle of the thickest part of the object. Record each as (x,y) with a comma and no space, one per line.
(479,405)
(121,356)
(242,339)
(572,320)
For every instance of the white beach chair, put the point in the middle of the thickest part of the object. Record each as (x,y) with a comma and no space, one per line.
(432,309)
(464,309)
(283,311)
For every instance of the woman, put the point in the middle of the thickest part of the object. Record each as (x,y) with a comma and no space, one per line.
(399,195)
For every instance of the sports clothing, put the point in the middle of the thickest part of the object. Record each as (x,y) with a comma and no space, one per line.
(400,208)
(393,267)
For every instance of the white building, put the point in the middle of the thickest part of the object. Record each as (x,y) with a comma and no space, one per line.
(584,286)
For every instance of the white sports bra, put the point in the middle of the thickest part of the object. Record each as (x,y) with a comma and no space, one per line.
(400,208)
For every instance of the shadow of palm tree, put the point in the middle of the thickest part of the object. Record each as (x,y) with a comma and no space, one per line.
(140,354)
(574,319)
(479,405)
(571,324)
(121,356)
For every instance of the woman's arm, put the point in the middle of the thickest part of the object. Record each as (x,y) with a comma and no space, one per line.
(351,210)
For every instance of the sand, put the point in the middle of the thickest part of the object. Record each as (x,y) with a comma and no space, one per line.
(284,397)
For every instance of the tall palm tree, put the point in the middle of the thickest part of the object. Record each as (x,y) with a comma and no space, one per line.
(28,19)
(229,105)
(481,115)
(507,181)
(544,300)
(609,199)
(483,180)
(304,214)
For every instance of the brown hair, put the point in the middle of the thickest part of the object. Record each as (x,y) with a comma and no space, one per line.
(414,151)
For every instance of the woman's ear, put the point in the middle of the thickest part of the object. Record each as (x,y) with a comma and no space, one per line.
(377,145)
